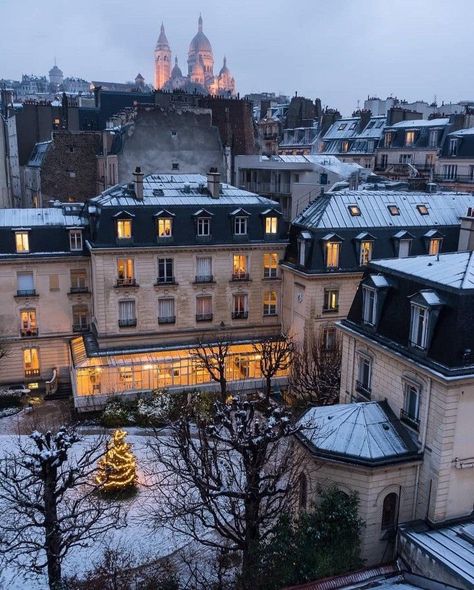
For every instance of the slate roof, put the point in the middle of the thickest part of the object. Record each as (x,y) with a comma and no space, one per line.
(451,547)
(366,433)
(415,123)
(53,216)
(454,269)
(332,210)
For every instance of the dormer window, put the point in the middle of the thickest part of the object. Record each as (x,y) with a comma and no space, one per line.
(433,138)
(332,249)
(303,242)
(419,326)
(240,226)
(388,139)
(365,252)
(271,225)
(434,246)
(204,226)
(165,227)
(453,147)
(409,138)
(344,147)
(369,305)
(403,241)
(22,242)
(75,240)
(124,229)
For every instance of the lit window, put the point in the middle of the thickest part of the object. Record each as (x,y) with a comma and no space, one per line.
(411,404)
(240,306)
(394,210)
(345,146)
(364,376)
(165,270)
(271,225)
(125,272)
(434,246)
(239,267)
(204,226)
(269,303)
(28,326)
(369,305)
(124,229)
(31,362)
(270,265)
(354,210)
(365,252)
(409,138)
(331,300)
(419,326)
(422,209)
(204,308)
(165,228)
(75,240)
(166,312)
(332,254)
(127,315)
(22,241)
(240,226)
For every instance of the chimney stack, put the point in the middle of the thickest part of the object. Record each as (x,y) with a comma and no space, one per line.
(466,232)
(214,183)
(138,183)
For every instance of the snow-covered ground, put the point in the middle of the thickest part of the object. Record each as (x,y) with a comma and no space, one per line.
(147,544)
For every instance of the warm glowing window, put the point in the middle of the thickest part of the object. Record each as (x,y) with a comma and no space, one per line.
(270,265)
(434,246)
(354,210)
(271,225)
(239,266)
(22,241)
(124,229)
(331,300)
(240,226)
(28,326)
(125,272)
(332,254)
(345,146)
(269,303)
(394,210)
(423,209)
(31,361)
(365,252)
(165,228)
(75,240)
(409,138)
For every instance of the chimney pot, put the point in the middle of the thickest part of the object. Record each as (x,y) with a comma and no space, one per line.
(214,183)
(138,183)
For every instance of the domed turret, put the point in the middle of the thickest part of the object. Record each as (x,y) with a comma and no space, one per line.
(224,69)
(176,71)
(200,53)
(225,81)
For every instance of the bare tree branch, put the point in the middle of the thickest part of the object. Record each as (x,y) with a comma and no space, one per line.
(212,359)
(275,354)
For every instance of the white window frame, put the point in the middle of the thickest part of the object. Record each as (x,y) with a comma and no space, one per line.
(419,334)
(403,244)
(270,303)
(369,305)
(411,388)
(203,226)
(270,265)
(75,240)
(240,225)
(364,361)
(331,294)
(22,239)
(271,225)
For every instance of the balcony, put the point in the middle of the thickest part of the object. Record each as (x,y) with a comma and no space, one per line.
(82,289)
(28,332)
(131,323)
(409,420)
(165,281)
(169,319)
(78,328)
(26,293)
(204,317)
(240,276)
(126,282)
(204,279)
(363,389)
(32,372)
(240,315)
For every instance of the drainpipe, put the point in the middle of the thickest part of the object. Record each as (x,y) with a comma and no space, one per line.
(423,444)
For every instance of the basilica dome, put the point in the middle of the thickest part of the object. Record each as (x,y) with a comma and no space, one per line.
(200,42)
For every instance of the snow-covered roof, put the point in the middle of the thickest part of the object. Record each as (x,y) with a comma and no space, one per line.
(26,218)
(469,131)
(332,210)
(178,189)
(362,432)
(413,123)
(454,269)
(451,546)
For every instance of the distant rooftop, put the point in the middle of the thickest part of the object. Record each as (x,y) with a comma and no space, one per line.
(469,131)
(384,209)
(441,122)
(360,432)
(178,189)
(455,269)
(52,216)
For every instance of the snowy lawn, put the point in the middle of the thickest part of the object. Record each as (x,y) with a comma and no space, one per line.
(146,544)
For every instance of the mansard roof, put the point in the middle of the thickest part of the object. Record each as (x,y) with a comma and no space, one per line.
(362,433)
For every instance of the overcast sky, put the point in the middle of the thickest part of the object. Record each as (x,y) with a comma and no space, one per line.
(339,50)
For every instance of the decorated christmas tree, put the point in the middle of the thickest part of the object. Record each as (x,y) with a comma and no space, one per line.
(117,468)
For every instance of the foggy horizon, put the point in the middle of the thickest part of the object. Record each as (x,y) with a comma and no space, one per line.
(339,51)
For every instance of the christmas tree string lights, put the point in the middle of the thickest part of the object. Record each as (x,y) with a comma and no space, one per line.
(117,468)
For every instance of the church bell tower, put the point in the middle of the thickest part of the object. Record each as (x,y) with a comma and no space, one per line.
(162,60)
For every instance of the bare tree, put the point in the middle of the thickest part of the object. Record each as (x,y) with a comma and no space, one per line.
(212,358)
(275,354)
(316,372)
(48,503)
(225,482)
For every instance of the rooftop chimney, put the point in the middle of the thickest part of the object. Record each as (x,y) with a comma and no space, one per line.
(214,183)
(466,232)
(138,183)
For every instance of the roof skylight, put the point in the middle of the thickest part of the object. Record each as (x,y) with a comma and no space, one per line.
(354,210)
(394,210)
